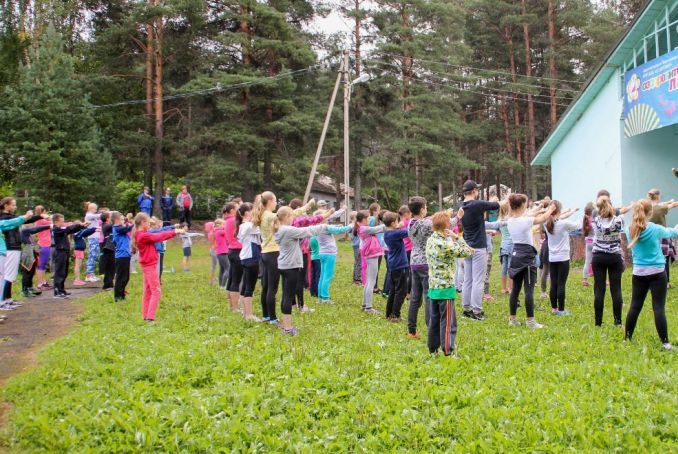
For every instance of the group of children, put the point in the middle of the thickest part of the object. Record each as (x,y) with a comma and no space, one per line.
(433,259)
(430,259)
(111,238)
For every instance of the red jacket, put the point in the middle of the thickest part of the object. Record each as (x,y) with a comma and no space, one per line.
(148,255)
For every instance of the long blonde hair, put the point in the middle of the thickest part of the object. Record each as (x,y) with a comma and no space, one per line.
(551,222)
(260,203)
(138,220)
(605,208)
(641,211)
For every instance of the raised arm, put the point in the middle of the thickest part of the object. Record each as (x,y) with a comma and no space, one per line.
(336,230)
(374,230)
(540,219)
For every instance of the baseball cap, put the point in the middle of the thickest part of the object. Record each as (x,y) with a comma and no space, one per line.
(469,186)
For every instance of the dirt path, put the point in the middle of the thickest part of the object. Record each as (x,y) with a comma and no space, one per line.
(29,328)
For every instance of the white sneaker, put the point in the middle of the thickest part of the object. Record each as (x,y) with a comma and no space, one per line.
(533,324)
(667,346)
(91,279)
(514,322)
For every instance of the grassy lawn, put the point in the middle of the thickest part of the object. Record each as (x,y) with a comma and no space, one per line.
(202,380)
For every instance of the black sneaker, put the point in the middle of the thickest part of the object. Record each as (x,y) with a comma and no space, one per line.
(67,294)
(480,317)
(467,314)
(59,296)
(35,291)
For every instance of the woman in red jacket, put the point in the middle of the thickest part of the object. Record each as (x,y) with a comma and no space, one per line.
(144,243)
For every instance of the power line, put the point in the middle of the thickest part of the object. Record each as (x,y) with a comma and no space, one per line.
(495,71)
(212,90)
(515,92)
(487,95)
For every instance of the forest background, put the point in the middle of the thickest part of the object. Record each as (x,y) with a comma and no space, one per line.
(102,97)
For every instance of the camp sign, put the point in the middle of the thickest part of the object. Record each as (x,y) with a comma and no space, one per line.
(651,96)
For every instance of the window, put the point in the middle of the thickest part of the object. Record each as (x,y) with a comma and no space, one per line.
(673,35)
(663,43)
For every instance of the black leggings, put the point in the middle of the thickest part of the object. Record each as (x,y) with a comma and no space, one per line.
(656,284)
(605,265)
(527,275)
(27,277)
(250,273)
(668,270)
(235,270)
(121,277)
(299,291)
(107,267)
(269,284)
(290,278)
(559,272)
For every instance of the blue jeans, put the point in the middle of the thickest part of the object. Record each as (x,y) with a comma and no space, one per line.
(327,264)
(93,256)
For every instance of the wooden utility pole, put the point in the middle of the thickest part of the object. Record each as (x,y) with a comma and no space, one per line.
(318,150)
(347,88)
(158,105)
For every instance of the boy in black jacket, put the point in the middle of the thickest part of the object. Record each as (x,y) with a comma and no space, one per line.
(62,252)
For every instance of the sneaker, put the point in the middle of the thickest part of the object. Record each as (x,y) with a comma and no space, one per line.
(480,317)
(80,282)
(266,319)
(554,311)
(385,295)
(45,286)
(565,312)
(413,336)
(396,319)
(253,318)
(453,355)
(13,304)
(291,332)
(59,296)
(467,314)
(306,309)
(488,297)
(533,324)
(91,278)
(514,322)
(28,294)
(273,322)
(667,346)
(371,310)
(67,293)
(35,291)
(6,307)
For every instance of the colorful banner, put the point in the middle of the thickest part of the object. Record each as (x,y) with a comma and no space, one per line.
(651,98)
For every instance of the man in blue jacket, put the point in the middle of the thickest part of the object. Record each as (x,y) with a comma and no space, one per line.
(145,201)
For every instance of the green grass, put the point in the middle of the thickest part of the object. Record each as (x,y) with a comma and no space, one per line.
(202,380)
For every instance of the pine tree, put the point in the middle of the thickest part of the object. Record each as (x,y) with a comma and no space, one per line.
(50,132)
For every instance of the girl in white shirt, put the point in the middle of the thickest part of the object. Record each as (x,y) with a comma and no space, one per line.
(558,236)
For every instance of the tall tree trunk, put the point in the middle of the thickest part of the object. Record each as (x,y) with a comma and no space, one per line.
(531,135)
(158,164)
(552,63)
(407,63)
(268,156)
(508,143)
(516,110)
(150,37)
(244,157)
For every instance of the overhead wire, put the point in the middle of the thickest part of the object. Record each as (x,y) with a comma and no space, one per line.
(495,71)
(513,92)
(216,89)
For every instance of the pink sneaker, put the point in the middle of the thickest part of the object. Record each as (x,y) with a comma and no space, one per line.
(79,283)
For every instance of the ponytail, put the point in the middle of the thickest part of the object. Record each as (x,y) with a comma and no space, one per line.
(260,203)
(641,211)
(586,223)
(240,214)
(551,222)
(359,217)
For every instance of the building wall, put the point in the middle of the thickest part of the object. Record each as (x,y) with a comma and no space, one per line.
(647,160)
(589,157)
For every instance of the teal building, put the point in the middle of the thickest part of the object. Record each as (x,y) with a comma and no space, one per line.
(621,132)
